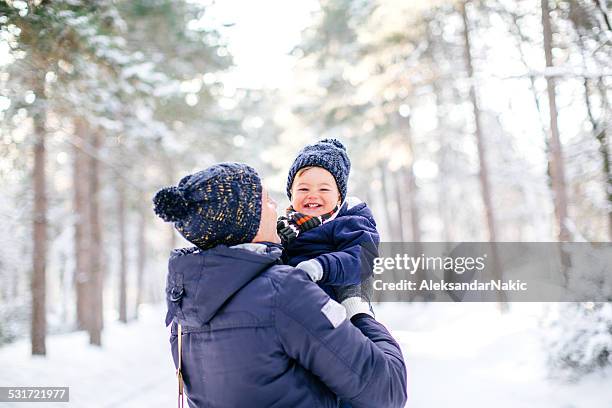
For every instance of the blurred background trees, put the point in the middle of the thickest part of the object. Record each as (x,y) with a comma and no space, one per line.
(465,121)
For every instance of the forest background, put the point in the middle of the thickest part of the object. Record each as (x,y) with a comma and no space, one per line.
(471,120)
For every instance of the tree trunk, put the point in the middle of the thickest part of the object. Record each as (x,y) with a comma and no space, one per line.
(603,9)
(604,143)
(410,182)
(406,195)
(399,190)
(122,251)
(439,83)
(557,170)
(368,197)
(38,285)
(141,261)
(96,248)
(523,39)
(81,227)
(442,161)
(600,135)
(482,157)
(171,180)
(386,201)
(415,218)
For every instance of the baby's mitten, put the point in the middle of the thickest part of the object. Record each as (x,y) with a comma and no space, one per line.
(313,269)
(351,298)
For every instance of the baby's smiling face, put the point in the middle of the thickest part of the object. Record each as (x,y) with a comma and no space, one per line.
(314,191)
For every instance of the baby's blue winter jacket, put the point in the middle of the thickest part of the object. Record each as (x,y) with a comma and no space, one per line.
(260,334)
(345,247)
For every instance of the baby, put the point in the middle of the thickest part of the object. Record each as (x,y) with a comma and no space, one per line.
(332,238)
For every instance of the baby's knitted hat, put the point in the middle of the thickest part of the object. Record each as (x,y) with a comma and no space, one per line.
(329,154)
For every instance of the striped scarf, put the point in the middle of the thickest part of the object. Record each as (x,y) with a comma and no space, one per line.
(289,226)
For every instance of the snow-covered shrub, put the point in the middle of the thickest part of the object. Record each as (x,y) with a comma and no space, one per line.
(14,321)
(579,339)
(15,267)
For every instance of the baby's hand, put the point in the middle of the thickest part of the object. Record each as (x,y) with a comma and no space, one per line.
(354,300)
(313,269)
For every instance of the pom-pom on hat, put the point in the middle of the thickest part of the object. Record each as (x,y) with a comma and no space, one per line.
(218,205)
(329,154)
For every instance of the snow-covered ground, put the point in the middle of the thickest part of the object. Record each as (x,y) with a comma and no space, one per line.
(458,355)
(132,369)
(470,355)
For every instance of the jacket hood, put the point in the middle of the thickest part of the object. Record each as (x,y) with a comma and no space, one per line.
(201,281)
(355,207)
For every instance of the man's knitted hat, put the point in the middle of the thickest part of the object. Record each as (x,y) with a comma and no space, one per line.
(329,154)
(218,205)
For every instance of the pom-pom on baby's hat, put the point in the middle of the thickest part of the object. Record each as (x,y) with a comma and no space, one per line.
(218,205)
(329,154)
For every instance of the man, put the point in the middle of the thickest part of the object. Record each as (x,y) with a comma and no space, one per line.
(253,332)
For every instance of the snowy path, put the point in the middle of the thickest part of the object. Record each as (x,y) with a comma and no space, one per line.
(458,355)
(132,369)
(470,355)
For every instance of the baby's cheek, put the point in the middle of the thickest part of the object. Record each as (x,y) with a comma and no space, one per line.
(295,200)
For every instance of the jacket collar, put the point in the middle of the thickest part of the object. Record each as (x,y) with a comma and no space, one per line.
(206,279)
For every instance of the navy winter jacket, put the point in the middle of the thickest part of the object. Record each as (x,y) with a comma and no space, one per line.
(255,334)
(345,247)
